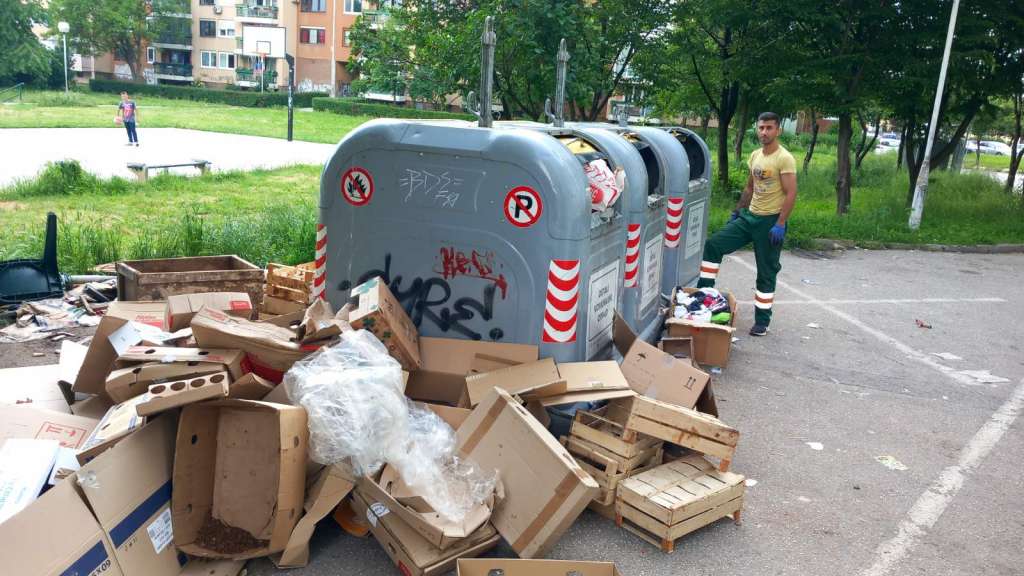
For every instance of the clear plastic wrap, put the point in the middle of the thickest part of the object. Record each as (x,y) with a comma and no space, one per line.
(353,393)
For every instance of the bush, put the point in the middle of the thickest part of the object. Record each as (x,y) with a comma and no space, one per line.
(65,178)
(359,107)
(230,97)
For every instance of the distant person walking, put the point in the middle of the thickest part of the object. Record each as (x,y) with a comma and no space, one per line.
(128,113)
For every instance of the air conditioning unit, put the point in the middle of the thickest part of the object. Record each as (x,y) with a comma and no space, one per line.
(218,9)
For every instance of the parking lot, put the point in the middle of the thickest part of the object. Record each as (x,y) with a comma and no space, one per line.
(919,467)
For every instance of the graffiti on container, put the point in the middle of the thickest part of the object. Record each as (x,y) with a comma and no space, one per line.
(434,188)
(427,299)
(455,262)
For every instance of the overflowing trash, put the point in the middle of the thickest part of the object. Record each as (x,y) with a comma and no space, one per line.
(704,305)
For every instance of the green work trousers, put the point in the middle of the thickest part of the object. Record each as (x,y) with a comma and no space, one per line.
(748,228)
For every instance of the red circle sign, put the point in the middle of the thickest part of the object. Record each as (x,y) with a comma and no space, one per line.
(523,206)
(357,186)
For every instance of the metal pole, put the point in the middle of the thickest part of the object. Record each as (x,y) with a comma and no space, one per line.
(487,40)
(561,66)
(334,61)
(921,186)
(291,87)
(65,63)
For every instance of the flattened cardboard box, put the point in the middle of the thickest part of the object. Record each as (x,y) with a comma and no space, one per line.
(271,349)
(242,463)
(126,383)
(233,361)
(662,376)
(181,308)
(545,490)
(163,397)
(378,311)
(128,489)
(99,359)
(26,421)
(57,535)
(412,553)
(329,488)
(518,379)
(119,421)
(35,386)
(514,567)
(446,362)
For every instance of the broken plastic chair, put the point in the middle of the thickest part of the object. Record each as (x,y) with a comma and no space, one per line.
(23,280)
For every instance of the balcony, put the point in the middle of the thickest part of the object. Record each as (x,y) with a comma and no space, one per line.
(254,12)
(173,33)
(246,77)
(173,71)
(375,18)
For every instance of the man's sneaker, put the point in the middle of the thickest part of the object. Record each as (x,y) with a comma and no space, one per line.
(758,330)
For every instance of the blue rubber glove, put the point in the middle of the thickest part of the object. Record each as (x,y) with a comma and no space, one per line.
(735,214)
(777,234)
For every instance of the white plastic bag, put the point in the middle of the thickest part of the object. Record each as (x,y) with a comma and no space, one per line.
(605,186)
(353,394)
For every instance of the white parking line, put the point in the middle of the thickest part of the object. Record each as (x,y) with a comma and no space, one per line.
(888,301)
(930,506)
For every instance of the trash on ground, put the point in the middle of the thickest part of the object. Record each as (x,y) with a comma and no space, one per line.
(810,281)
(947,355)
(891,463)
(813,325)
(815,445)
(984,376)
(923,324)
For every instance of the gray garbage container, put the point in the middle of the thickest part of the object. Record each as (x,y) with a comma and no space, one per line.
(480,233)
(693,227)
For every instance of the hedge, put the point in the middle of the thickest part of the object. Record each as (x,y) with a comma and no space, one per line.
(231,97)
(360,107)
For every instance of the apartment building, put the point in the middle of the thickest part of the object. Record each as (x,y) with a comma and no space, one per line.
(219,57)
(324,47)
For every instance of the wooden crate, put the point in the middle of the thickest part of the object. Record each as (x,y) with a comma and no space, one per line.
(607,469)
(605,428)
(291,283)
(160,278)
(682,426)
(674,499)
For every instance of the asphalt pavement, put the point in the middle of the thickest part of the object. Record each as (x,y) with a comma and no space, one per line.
(919,470)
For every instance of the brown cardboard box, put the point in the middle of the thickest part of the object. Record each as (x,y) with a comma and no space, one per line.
(99,359)
(162,397)
(57,535)
(181,308)
(119,421)
(35,385)
(545,490)
(239,468)
(211,567)
(328,489)
(660,375)
(584,377)
(446,362)
(320,322)
(127,383)
(517,567)
(680,347)
(378,311)
(128,489)
(413,554)
(250,387)
(711,342)
(26,421)
(231,361)
(271,349)
(519,379)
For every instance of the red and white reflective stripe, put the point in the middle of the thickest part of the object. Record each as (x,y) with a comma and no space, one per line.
(674,222)
(632,255)
(763,300)
(709,270)
(560,312)
(320,277)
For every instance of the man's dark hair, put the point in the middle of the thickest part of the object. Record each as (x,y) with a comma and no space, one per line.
(124,91)
(770,117)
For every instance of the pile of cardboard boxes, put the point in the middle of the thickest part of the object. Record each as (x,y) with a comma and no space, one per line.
(182,453)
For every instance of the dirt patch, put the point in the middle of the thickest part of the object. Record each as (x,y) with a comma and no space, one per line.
(221,538)
(11,206)
(19,354)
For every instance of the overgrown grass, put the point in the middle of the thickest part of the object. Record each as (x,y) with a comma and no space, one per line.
(262,216)
(48,109)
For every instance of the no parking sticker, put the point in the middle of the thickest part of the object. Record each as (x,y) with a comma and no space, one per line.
(356,186)
(523,206)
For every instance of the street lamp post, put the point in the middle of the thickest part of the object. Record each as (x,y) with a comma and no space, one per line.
(64,27)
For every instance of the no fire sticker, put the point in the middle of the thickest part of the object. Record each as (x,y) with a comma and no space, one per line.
(523,206)
(357,186)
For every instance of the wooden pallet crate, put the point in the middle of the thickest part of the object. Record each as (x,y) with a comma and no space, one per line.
(669,501)
(605,428)
(606,469)
(682,426)
(296,277)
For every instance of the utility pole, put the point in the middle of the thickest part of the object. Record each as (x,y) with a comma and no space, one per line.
(921,186)
(64,28)
(291,87)
(334,61)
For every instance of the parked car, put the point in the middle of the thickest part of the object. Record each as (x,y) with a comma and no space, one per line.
(993,147)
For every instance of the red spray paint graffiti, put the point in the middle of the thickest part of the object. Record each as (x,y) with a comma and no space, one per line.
(474,264)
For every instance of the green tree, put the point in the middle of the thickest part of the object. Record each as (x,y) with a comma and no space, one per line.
(22,58)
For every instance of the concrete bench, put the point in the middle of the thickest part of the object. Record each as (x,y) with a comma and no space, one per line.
(141,171)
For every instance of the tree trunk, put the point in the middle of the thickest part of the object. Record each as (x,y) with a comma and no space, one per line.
(727,108)
(902,148)
(704,121)
(1015,153)
(741,127)
(843,163)
(863,152)
(814,140)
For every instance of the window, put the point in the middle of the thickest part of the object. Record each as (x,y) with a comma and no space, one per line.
(150,55)
(353,6)
(312,35)
(314,5)
(225,29)
(226,61)
(206,2)
(346,37)
(207,28)
(208,59)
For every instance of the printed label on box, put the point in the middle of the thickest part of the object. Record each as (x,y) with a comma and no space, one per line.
(375,511)
(160,532)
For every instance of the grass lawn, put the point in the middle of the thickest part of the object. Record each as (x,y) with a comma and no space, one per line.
(48,109)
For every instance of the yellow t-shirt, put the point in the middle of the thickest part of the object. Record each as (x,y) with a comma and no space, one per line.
(768,195)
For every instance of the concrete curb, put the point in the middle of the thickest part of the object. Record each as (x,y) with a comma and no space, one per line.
(828,244)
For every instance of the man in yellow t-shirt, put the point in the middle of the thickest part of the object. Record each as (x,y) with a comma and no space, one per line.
(760,218)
